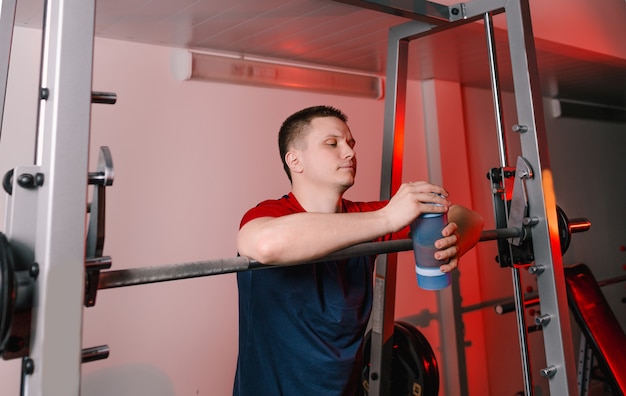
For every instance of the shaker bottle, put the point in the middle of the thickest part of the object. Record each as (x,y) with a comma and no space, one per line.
(425,230)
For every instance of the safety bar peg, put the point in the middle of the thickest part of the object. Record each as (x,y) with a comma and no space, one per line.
(103,97)
(95,353)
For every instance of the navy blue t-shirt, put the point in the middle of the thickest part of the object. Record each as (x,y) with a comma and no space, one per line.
(301,327)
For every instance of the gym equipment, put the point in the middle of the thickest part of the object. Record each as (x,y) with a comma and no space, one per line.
(18,276)
(414,370)
(600,330)
(16,285)
(102,178)
(53,236)
(162,273)
(601,334)
(532,180)
(16,292)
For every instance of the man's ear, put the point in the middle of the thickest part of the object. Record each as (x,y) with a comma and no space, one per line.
(292,159)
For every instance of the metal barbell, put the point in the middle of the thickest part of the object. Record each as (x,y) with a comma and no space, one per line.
(162,273)
(17,285)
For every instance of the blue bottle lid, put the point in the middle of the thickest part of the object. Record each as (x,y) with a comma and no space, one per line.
(430,215)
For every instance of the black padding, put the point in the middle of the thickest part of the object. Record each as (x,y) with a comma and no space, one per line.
(598,323)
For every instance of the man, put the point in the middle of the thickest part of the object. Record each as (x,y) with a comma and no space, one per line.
(301,326)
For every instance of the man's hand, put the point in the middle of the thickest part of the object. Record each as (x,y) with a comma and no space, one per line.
(412,200)
(459,236)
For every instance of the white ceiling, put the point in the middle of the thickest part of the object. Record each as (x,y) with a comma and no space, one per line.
(338,35)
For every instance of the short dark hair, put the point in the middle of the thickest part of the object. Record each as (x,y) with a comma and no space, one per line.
(296,125)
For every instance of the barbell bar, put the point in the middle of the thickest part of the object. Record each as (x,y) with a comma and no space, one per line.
(17,283)
(163,273)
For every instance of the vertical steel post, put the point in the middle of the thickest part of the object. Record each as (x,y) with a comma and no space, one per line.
(522,331)
(391,177)
(495,88)
(557,336)
(62,158)
(7,20)
(541,193)
(451,330)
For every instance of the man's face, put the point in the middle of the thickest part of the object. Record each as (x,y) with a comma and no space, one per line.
(327,154)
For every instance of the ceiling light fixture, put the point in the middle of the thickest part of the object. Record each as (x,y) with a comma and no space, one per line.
(585,110)
(258,71)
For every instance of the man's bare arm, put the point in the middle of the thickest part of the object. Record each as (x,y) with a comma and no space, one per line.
(460,236)
(301,237)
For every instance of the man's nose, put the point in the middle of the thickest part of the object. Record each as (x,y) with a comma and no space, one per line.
(349,152)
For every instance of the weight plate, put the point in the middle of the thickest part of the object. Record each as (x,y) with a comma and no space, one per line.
(7,182)
(7,290)
(426,357)
(414,370)
(565,235)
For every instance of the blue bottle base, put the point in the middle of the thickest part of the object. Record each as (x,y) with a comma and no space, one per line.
(430,282)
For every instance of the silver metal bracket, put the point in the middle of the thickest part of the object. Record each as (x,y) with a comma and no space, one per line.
(102,178)
(519,202)
(19,223)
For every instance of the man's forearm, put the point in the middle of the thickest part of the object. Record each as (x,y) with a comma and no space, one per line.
(470,225)
(301,237)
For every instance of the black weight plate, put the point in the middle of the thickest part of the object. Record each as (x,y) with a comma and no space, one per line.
(565,235)
(412,364)
(427,359)
(7,182)
(6,290)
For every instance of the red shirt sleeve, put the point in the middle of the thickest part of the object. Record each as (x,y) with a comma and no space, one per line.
(273,208)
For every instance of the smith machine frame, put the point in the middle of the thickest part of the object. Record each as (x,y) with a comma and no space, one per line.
(46,212)
(533,203)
